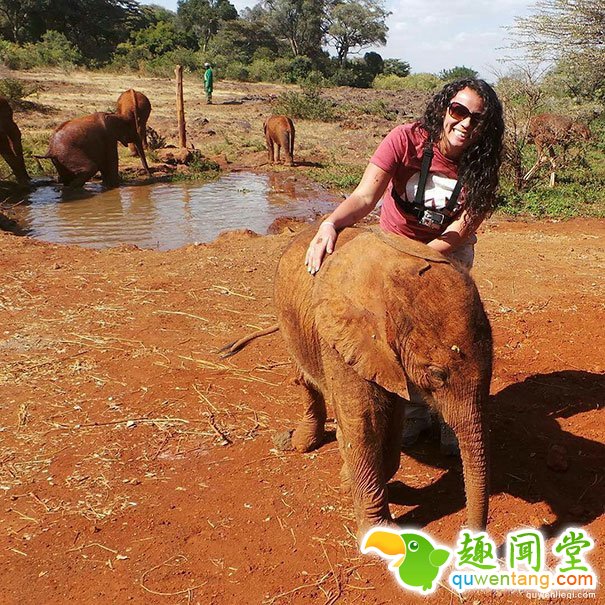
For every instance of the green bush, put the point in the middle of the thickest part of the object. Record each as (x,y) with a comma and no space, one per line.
(457,73)
(56,50)
(128,56)
(388,82)
(53,50)
(300,67)
(237,71)
(163,66)
(378,108)
(264,70)
(355,74)
(17,90)
(308,105)
(423,81)
(17,57)
(395,67)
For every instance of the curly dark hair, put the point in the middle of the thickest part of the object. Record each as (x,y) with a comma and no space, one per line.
(479,165)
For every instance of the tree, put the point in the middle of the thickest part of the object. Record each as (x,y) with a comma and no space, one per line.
(238,40)
(568,32)
(16,15)
(374,63)
(202,18)
(300,22)
(158,39)
(561,27)
(396,67)
(356,24)
(457,73)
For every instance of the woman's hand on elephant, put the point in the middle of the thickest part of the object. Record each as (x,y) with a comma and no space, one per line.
(322,243)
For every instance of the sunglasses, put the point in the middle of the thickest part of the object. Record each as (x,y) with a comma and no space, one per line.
(460,112)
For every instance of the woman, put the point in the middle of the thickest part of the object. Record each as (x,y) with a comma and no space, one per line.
(459,141)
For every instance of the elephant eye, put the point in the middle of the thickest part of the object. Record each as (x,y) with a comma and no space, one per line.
(413,546)
(437,376)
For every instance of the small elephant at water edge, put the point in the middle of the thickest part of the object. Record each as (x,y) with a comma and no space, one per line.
(10,143)
(279,131)
(384,312)
(84,146)
(135,106)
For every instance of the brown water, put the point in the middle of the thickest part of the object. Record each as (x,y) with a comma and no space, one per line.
(169,215)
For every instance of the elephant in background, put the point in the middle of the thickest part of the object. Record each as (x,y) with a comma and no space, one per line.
(135,106)
(384,312)
(279,130)
(10,143)
(82,147)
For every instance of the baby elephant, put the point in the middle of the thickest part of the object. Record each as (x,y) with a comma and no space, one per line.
(279,130)
(84,146)
(135,106)
(385,312)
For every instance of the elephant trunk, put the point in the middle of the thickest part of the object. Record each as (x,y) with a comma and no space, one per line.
(468,420)
(139,145)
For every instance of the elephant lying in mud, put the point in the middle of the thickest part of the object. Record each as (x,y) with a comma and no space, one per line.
(135,106)
(279,131)
(382,311)
(81,147)
(11,148)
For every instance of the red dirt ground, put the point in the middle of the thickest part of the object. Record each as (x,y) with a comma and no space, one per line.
(136,466)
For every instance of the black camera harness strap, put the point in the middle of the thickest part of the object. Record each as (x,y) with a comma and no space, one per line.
(417,207)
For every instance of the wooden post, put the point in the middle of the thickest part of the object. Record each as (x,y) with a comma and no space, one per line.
(180,106)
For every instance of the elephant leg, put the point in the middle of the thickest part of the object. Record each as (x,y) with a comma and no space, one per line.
(270,151)
(133,150)
(71,179)
(309,434)
(110,172)
(360,410)
(288,151)
(278,152)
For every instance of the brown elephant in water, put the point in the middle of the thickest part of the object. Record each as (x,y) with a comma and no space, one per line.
(279,130)
(135,106)
(384,311)
(84,146)
(10,143)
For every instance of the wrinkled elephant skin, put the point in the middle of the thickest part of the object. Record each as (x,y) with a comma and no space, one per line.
(382,311)
(135,106)
(279,131)
(84,146)
(11,148)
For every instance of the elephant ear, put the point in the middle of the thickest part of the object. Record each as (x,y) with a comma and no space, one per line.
(354,314)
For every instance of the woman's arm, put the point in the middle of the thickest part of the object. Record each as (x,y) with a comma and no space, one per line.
(359,204)
(456,233)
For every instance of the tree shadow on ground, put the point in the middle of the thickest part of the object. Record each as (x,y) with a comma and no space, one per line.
(524,429)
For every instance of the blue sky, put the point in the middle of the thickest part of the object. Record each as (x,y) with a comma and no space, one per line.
(432,35)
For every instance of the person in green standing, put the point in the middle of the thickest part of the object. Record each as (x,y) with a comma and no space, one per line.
(208,82)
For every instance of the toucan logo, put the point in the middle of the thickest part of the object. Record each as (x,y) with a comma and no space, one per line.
(413,558)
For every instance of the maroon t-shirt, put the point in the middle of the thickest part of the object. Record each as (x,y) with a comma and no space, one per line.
(400,154)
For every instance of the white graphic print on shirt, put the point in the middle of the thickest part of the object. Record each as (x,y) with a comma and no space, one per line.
(437,192)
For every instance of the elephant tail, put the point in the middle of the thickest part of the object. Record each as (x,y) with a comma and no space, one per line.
(234,347)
